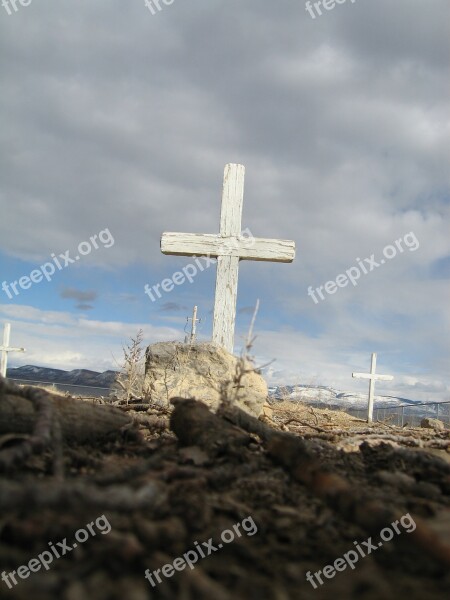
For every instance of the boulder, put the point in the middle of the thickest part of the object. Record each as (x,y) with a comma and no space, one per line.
(202,371)
(432,424)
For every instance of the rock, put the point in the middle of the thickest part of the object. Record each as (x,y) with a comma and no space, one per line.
(432,424)
(202,371)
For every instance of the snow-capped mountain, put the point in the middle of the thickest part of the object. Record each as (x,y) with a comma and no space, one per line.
(84,382)
(329,397)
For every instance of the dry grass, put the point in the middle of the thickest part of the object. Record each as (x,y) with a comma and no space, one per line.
(295,415)
(52,389)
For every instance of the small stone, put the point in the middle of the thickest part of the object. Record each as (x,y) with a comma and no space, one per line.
(432,424)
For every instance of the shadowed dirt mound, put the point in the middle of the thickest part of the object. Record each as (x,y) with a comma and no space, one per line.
(312,483)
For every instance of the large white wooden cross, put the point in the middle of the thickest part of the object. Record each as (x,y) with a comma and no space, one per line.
(229,246)
(5,349)
(372,377)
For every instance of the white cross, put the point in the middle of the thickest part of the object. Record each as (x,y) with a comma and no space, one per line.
(193,335)
(372,378)
(229,246)
(5,349)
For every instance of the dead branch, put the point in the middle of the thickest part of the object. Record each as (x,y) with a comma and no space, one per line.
(304,424)
(194,424)
(299,458)
(406,440)
(41,433)
(313,413)
(137,407)
(80,421)
(131,378)
(153,422)
(37,495)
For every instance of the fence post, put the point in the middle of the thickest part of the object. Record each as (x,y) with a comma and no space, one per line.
(403,415)
(437,410)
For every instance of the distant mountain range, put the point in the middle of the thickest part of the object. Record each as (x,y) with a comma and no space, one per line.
(355,403)
(82,381)
(78,377)
(310,394)
(328,397)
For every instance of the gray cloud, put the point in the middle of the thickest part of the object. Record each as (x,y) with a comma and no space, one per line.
(74,294)
(246,310)
(84,307)
(172,307)
(342,123)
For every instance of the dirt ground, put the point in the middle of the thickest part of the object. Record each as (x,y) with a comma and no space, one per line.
(179,483)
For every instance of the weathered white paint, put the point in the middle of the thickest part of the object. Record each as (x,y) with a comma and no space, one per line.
(244,248)
(229,247)
(372,377)
(5,349)
(225,301)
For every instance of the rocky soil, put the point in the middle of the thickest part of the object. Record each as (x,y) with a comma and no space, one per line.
(303,484)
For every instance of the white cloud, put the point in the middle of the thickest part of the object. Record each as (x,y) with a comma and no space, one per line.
(60,340)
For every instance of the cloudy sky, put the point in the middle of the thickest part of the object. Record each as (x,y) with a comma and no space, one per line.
(117,120)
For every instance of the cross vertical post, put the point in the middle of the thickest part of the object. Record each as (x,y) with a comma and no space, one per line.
(373,366)
(228,266)
(4,359)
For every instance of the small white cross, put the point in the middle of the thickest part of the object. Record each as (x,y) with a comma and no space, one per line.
(229,246)
(372,378)
(5,349)
(193,335)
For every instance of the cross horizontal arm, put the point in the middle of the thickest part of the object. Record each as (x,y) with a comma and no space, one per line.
(372,376)
(189,244)
(269,250)
(362,375)
(243,247)
(2,348)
